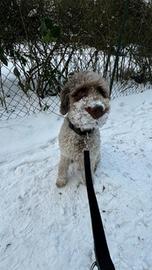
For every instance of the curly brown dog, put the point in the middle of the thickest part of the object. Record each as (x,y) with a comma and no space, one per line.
(85,102)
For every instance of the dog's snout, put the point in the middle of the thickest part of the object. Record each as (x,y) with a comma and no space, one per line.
(96,111)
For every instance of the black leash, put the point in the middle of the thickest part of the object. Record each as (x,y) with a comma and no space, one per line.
(103,259)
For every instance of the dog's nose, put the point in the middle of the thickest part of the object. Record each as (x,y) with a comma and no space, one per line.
(96,111)
(98,108)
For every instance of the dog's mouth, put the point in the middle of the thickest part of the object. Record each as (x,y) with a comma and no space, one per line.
(96,112)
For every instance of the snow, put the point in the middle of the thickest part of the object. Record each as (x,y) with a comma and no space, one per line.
(46,228)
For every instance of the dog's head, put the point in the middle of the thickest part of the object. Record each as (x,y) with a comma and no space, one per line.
(85,98)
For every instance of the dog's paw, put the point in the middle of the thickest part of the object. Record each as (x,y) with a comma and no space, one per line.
(61,182)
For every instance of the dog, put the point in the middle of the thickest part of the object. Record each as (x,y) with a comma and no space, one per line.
(85,101)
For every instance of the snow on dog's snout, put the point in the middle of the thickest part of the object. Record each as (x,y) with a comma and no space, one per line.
(94,103)
(80,116)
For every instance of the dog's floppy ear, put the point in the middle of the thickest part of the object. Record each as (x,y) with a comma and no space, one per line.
(64,96)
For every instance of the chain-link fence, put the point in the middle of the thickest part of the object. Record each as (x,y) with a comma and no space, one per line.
(16,102)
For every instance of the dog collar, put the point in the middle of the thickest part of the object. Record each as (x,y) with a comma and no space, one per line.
(78,130)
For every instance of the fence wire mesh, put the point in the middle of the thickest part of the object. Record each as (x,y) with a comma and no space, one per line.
(16,103)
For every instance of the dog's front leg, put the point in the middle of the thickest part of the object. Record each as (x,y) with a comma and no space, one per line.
(63,171)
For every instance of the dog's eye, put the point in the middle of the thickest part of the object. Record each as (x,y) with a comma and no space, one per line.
(82,92)
(102,91)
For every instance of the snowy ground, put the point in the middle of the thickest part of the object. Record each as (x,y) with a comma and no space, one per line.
(46,228)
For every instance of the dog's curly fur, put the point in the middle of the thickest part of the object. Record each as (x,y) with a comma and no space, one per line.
(82,99)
